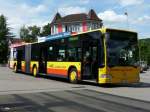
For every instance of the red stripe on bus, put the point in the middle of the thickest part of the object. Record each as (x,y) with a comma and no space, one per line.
(23,68)
(61,72)
(57,71)
(79,75)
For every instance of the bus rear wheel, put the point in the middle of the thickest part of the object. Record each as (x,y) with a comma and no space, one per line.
(73,76)
(34,71)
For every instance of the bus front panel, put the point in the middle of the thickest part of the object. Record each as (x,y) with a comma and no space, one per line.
(122,58)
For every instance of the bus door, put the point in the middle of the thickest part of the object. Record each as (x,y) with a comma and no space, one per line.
(90,59)
(19,58)
(43,60)
(27,57)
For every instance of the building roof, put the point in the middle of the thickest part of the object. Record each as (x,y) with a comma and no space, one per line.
(75,17)
(56,17)
(16,40)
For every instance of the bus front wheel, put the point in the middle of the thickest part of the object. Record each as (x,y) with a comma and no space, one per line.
(73,76)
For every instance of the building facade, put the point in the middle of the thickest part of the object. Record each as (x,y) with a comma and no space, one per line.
(75,22)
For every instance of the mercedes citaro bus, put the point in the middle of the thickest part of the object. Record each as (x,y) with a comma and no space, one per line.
(105,56)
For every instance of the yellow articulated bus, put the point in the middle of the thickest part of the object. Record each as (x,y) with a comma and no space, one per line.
(105,56)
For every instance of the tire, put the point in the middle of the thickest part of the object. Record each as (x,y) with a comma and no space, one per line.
(73,76)
(34,71)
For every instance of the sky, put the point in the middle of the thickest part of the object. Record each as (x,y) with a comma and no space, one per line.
(112,12)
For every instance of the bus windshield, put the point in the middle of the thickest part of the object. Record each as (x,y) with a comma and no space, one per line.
(122,48)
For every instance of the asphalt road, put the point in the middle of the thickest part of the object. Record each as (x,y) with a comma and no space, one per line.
(14,83)
(25,93)
(70,101)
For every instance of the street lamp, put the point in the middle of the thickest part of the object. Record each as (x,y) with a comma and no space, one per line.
(126,13)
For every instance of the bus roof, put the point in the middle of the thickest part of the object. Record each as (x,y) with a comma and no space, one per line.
(18,45)
(67,34)
(104,29)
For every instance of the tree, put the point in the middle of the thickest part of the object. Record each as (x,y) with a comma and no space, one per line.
(30,33)
(24,34)
(46,30)
(145,50)
(34,32)
(4,39)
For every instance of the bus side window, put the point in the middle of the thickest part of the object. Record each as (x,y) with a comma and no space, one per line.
(51,55)
(34,53)
(61,55)
(15,55)
(79,54)
(71,54)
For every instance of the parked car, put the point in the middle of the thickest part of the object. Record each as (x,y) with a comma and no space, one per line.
(143,66)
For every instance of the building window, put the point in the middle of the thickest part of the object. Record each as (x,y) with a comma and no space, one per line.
(76,28)
(89,26)
(55,30)
(72,28)
(69,28)
(94,26)
(52,30)
(66,28)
